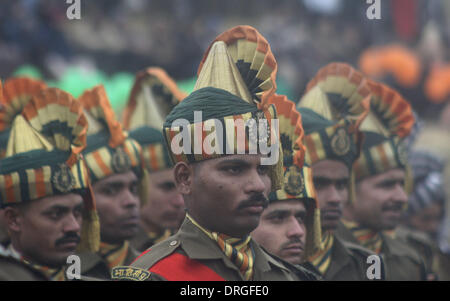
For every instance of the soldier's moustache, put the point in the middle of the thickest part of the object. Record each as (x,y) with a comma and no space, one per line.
(293,242)
(256,199)
(68,237)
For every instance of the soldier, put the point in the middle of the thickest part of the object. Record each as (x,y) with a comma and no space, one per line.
(380,174)
(426,202)
(224,186)
(424,216)
(153,96)
(332,111)
(16,93)
(44,185)
(115,165)
(290,225)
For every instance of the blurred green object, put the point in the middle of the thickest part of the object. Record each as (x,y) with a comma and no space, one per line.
(283,88)
(76,80)
(29,71)
(187,85)
(118,88)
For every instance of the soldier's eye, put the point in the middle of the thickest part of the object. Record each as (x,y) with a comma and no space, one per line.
(55,214)
(109,191)
(134,189)
(167,186)
(263,169)
(320,183)
(342,184)
(233,169)
(277,218)
(78,212)
(301,218)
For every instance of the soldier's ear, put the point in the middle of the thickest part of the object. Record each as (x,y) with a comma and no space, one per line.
(183,174)
(13,218)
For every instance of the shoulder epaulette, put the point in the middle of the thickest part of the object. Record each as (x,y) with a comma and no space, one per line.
(163,260)
(358,249)
(300,271)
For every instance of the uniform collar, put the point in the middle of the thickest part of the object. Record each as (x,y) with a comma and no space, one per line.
(198,245)
(391,247)
(340,257)
(397,248)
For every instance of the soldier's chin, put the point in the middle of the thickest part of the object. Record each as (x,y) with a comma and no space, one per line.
(242,228)
(59,259)
(329,224)
(128,233)
(389,225)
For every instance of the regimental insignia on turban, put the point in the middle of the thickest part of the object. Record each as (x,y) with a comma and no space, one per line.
(334,104)
(293,180)
(389,121)
(153,96)
(43,157)
(236,77)
(298,182)
(17,92)
(63,179)
(340,142)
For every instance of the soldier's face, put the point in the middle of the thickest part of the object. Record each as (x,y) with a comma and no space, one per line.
(47,230)
(428,219)
(331,181)
(227,194)
(2,221)
(118,207)
(165,207)
(380,200)
(282,231)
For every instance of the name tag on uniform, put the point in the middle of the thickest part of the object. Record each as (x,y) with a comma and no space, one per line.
(129,273)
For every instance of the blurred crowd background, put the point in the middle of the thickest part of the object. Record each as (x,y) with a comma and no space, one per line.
(114,39)
(408,48)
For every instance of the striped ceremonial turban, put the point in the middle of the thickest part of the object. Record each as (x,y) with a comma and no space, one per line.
(332,109)
(17,92)
(109,149)
(427,170)
(236,78)
(389,121)
(43,157)
(298,183)
(153,96)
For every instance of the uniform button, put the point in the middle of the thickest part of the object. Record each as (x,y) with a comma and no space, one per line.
(173,242)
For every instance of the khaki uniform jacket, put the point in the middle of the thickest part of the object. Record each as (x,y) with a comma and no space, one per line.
(191,255)
(4,237)
(348,262)
(436,262)
(95,267)
(402,263)
(141,241)
(12,269)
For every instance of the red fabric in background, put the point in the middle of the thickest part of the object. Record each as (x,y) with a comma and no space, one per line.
(404,14)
